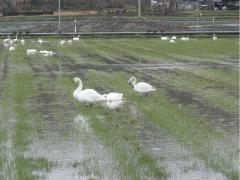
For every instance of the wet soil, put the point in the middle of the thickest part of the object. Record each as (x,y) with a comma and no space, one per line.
(4,70)
(65,137)
(217,116)
(180,163)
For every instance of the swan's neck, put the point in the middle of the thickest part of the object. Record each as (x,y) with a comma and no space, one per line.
(79,85)
(134,82)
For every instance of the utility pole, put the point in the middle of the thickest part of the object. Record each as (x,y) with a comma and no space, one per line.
(213,22)
(3,7)
(139,8)
(197,23)
(75,29)
(59,16)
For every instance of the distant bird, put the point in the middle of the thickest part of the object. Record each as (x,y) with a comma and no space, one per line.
(69,42)
(62,42)
(142,88)
(10,41)
(89,96)
(214,37)
(31,51)
(184,38)
(114,100)
(47,53)
(172,41)
(40,40)
(76,38)
(16,39)
(22,41)
(164,38)
(11,48)
(174,37)
(113,96)
(114,104)
(7,40)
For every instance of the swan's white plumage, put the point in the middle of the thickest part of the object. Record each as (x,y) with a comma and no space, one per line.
(113,96)
(31,51)
(40,40)
(184,38)
(89,96)
(114,100)
(62,42)
(22,41)
(214,37)
(69,42)
(141,87)
(76,38)
(114,104)
(6,40)
(11,48)
(16,39)
(164,38)
(47,53)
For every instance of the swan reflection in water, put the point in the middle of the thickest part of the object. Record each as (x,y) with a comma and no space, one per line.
(81,122)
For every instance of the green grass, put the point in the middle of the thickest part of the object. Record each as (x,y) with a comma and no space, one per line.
(176,121)
(17,90)
(118,134)
(24,88)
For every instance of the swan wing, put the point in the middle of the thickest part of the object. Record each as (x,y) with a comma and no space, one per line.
(89,95)
(114,96)
(143,87)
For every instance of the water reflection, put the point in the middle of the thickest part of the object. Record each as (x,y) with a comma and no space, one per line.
(180,163)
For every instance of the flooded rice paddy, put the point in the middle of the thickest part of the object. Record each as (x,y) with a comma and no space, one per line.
(187,130)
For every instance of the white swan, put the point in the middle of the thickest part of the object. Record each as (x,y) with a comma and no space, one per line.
(142,88)
(184,38)
(47,53)
(22,41)
(174,37)
(76,38)
(7,40)
(115,104)
(40,40)
(114,100)
(89,96)
(10,41)
(164,38)
(62,42)
(214,37)
(31,51)
(172,41)
(113,96)
(16,39)
(11,48)
(69,42)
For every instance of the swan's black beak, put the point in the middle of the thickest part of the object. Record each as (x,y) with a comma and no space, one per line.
(129,82)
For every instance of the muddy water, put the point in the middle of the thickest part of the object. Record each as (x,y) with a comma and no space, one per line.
(179,162)
(65,138)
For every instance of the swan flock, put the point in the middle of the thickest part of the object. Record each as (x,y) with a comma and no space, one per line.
(112,100)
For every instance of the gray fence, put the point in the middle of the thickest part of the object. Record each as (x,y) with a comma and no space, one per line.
(50,25)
